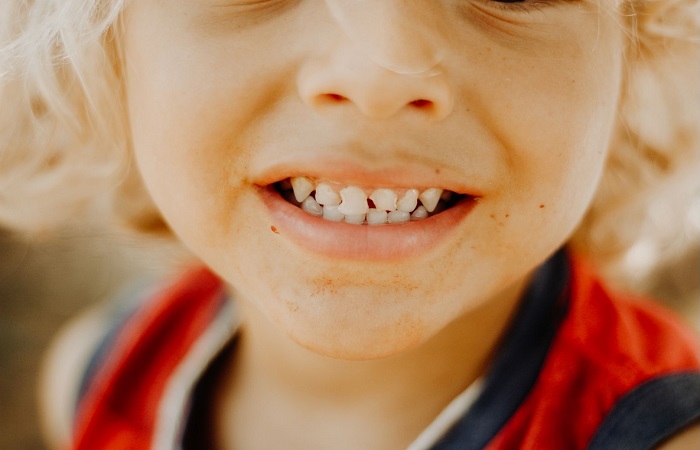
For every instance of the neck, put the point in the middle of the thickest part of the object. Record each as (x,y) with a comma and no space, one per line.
(280,381)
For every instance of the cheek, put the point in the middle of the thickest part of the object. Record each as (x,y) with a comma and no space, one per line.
(185,145)
(556,133)
(188,115)
(553,136)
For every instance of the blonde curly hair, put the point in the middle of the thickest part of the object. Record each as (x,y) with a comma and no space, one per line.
(64,139)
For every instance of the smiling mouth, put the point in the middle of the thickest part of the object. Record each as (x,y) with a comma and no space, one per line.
(356,205)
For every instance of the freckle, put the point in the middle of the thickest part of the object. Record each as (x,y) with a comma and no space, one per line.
(493,216)
(437,171)
(541,206)
(274,230)
(507,216)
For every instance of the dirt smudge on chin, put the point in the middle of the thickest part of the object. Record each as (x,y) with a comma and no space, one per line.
(330,285)
(324,286)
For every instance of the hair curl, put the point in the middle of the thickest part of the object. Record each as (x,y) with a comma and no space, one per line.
(650,181)
(64,136)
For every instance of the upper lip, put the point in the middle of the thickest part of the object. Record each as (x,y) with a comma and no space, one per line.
(350,172)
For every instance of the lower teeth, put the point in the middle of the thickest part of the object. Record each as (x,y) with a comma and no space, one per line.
(373,217)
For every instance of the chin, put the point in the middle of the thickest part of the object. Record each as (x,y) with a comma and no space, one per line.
(355,330)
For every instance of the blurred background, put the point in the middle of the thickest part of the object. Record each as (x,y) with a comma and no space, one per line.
(46,281)
(43,283)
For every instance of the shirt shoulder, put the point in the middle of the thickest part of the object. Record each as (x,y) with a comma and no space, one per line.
(626,338)
(133,386)
(610,353)
(73,355)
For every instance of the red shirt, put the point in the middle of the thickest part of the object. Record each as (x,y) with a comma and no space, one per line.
(579,368)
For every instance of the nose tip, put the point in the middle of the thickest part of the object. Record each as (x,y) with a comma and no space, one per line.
(348,78)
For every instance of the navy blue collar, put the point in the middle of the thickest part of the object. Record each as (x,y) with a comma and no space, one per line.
(518,362)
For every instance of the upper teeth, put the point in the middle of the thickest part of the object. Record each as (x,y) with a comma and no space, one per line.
(350,203)
(354,201)
(303,187)
(409,201)
(384,199)
(325,195)
(430,198)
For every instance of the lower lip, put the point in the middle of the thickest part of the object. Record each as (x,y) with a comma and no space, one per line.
(338,240)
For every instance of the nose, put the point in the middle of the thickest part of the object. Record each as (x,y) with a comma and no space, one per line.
(381,60)
(349,78)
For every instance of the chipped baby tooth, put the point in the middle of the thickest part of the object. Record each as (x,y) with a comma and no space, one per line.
(355,219)
(312,207)
(430,198)
(376,216)
(325,195)
(302,188)
(398,216)
(420,213)
(408,202)
(330,212)
(354,201)
(384,199)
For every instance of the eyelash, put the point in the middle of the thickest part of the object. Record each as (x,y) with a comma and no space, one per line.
(518,6)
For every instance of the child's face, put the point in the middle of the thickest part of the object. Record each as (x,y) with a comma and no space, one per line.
(227,97)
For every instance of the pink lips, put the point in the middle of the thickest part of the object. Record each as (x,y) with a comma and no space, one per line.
(390,242)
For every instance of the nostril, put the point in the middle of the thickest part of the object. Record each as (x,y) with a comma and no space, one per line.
(329,99)
(332,98)
(422,104)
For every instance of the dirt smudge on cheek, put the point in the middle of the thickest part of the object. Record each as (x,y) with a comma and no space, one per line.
(499,222)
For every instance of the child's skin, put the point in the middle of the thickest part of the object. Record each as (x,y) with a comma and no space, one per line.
(513,104)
